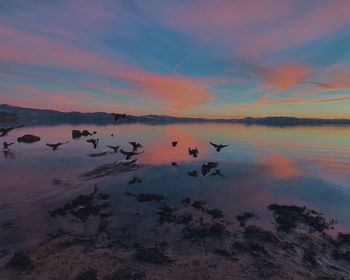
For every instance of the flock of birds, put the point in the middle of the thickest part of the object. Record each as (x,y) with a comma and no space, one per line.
(194,152)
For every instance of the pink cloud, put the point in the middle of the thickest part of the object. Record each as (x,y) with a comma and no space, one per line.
(177,91)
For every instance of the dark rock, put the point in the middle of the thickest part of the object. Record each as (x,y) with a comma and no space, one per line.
(28,138)
(76,134)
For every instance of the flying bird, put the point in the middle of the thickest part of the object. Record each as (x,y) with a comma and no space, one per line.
(174,163)
(218,147)
(114,148)
(5,131)
(193,152)
(174,143)
(94,142)
(128,155)
(7,145)
(135,145)
(55,146)
(117,117)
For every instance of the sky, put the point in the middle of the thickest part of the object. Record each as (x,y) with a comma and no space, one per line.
(205,58)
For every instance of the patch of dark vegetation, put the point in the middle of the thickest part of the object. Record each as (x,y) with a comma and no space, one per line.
(309,257)
(146,197)
(341,255)
(21,261)
(186,201)
(245,217)
(215,213)
(127,273)
(88,275)
(168,215)
(251,247)
(205,230)
(343,239)
(288,217)
(158,255)
(83,206)
(226,253)
(199,204)
(259,234)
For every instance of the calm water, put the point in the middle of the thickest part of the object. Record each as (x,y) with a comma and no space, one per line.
(300,165)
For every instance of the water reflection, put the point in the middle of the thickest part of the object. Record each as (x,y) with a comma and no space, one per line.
(301,165)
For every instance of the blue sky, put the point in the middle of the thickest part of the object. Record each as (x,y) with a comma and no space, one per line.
(187,58)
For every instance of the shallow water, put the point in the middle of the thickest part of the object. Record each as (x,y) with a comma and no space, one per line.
(289,165)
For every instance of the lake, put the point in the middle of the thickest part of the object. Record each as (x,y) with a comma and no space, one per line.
(288,165)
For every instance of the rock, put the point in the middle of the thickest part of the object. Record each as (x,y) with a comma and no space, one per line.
(86,133)
(76,134)
(28,138)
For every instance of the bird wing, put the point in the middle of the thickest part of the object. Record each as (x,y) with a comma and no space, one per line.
(213,144)
(223,146)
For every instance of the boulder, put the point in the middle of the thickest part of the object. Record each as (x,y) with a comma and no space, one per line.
(28,138)
(76,134)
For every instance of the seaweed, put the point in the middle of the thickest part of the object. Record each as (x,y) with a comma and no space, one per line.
(159,254)
(257,233)
(288,217)
(244,217)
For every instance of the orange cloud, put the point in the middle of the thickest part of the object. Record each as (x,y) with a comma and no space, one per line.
(177,91)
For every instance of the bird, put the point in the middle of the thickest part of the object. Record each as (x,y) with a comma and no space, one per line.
(193,173)
(135,180)
(174,143)
(114,148)
(218,147)
(193,152)
(217,172)
(174,163)
(7,145)
(5,131)
(117,117)
(94,142)
(207,167)
(135,145)
(55,146)
(128,155)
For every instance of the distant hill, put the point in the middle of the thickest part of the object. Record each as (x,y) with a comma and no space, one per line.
(31,116)
(7,117)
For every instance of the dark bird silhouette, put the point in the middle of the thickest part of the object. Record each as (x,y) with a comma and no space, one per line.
(218,147)
(135,180)
(174,143)
(114,148)
(128,155)
(174,163)
(7,145)
(207,167)
(112,135)
(135,145)
(193,173)
(5,131)
(193,152)
(94,142)
(217,172)
(55,146)
(117,117)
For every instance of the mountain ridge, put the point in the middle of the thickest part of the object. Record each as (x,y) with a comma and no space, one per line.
(47,116)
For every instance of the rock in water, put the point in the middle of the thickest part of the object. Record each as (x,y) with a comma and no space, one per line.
(28,138)
(76,134)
